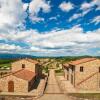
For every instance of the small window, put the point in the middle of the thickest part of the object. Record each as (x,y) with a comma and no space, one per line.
(81,69)
(67,77)
(99,69)
(23,65)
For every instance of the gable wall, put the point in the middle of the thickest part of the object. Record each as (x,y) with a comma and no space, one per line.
(20,85)
(89,69)
(18,65)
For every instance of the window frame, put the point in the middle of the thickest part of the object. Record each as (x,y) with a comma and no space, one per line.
(81,69)
(23,66)
(99,69)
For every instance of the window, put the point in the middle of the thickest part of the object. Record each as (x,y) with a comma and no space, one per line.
(81,69)
(73,69)
(72,79)
(67,77)
(23,65)
(99,69)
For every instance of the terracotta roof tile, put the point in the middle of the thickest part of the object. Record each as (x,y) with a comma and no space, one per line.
(76,62)
(25,74)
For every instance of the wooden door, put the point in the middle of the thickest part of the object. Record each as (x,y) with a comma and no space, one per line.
(72,79)
(10,86)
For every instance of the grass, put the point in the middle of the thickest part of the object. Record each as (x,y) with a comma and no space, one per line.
(45,69)
(5,66)
(6,63)
(86,95)
(59,72)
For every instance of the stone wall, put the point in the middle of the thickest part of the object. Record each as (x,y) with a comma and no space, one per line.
(90,84)
(18,65)
(20,85)
(89,69)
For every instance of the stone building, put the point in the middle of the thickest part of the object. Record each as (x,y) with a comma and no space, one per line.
(84,74)
(22,77)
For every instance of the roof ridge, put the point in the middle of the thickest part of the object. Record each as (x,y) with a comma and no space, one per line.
(12,73)
(82,60)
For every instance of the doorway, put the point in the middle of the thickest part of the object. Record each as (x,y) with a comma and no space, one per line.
(10,86)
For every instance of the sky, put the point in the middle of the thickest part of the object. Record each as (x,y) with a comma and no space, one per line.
(50,27)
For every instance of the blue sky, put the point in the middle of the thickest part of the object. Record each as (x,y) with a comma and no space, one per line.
(50,27)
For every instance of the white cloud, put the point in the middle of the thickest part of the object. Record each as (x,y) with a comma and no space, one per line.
(53,18)
(68,41)
(78,15)
(36,5)
(96,20)
(66,6)
(36,19)
(85,6)
(75,16)
(11,14)
(34,8)
(9,47)
(25,6)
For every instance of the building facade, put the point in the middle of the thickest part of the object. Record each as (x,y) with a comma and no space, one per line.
(84,74)
(23,74)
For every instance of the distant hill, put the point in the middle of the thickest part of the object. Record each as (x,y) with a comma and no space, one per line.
(14,56)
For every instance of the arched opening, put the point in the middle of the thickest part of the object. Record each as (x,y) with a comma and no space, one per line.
(10,86)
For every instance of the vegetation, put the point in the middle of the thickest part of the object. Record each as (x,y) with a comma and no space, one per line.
(5,63)
(47,62)
(59,72)
(45,69)
(5,66)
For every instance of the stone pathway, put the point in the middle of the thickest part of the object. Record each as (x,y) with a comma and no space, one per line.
(53,91)
(52,85)
(65,85)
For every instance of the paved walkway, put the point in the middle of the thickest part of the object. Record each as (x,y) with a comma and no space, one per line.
(53,91)
(52,85)
(65,85)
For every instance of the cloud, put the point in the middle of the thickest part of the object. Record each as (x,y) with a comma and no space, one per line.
(66,6)
(35,6)
(9,48)
(85,6)
(65,42)
(36,19)
(96,20)
(55,42)
(25,6)
(75,16)
(53,18)
(12,14)
(78,15)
